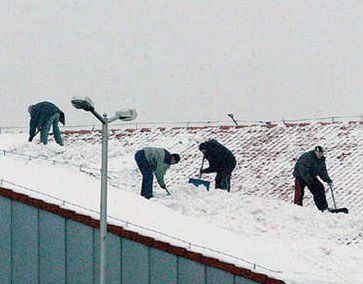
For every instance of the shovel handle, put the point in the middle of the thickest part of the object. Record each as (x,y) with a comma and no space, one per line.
(332,194)
(201,168)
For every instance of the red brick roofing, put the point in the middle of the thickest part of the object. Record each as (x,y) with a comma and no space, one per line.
(265,155)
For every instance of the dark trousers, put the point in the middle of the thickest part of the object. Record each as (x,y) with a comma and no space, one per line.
(223,177)
(147,174)
(44,130)
(223,181)
(317,190)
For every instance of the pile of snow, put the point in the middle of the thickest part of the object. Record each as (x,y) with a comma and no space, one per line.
(254,222)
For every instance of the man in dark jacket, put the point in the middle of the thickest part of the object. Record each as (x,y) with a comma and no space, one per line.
(43,116)
(154,160)
(308,167)
(221,161)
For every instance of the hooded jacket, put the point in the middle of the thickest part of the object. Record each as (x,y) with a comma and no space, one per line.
(308,167)
(219,157)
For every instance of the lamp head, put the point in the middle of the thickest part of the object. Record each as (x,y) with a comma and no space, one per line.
(84,103)
(126,114)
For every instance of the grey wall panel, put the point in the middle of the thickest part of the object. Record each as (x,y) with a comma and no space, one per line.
(241,280)
(40,247)
(52,246)
(113,274)
(24,243)
(190,272)
(5,240)
(135,262)
(163,267)
(217,276)
(114,259)
(79,253)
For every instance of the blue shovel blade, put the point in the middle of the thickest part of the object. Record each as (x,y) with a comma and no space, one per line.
(198,182)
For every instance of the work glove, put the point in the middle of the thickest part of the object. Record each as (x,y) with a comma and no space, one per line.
(30,139)
(330,183)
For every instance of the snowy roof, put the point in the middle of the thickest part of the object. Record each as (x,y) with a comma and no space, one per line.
(256,222)
(265,155)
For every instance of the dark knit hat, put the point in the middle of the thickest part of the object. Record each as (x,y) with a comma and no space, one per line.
(202,146)
(319,149)
(176,157)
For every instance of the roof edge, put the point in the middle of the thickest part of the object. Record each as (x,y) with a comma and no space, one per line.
(141,239)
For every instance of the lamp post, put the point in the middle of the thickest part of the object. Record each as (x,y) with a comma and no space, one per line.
(86,104)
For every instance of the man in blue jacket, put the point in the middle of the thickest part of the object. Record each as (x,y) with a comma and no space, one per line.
(154,160)
(308,167)
(43,116)
(221,161)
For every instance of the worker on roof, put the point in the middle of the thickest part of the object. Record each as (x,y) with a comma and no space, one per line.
(308,167)
(43,116)
(221,161)
(154,160)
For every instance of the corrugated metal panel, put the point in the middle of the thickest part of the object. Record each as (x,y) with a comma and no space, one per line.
(113,274)
(217,276)
(79,243)
(135,262)
(241,280)
(24,243)
(190,272)
(163,267)
(5,240)
(52,248)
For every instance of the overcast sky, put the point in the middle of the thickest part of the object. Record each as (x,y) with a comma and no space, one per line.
(183,60)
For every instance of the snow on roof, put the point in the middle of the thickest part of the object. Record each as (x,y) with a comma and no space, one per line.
(255,222)
(265,155)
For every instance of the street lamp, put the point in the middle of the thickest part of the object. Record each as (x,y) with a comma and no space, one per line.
(86,104)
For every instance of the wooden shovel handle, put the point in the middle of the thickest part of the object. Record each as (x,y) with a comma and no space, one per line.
(201,168)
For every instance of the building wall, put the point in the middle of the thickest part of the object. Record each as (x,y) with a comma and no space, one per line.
(37,246)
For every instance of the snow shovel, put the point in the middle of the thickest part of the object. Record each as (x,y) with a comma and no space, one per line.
(167,191)
(337,210)
(198,181)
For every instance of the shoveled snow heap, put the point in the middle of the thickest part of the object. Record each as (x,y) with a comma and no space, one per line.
(296,244)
